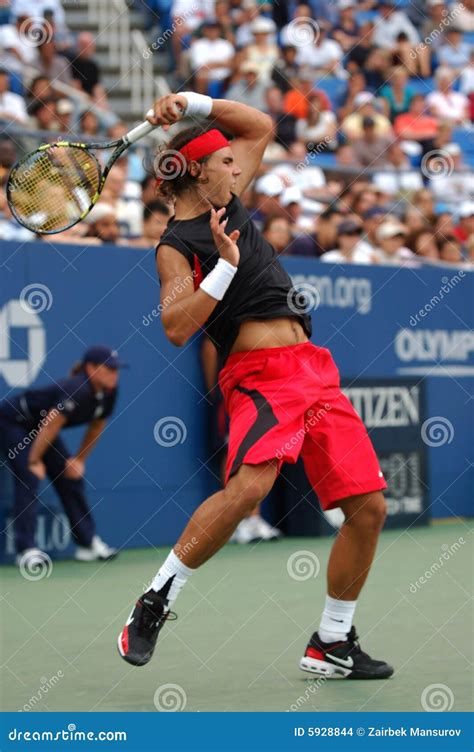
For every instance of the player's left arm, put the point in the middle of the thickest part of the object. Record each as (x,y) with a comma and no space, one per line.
(252,131)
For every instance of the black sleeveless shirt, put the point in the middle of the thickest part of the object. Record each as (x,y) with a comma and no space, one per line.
(261,288)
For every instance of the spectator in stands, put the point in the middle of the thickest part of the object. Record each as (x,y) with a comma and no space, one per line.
(249,89)
(16,39)
(423,244)
(55,67)
(423,201)
(395,33)
(372,220)
(124,199)
(277,231)
(397,175)
(40,88)
(10,229)
(348,250)
(102,223)
(295,101)
(463,12)
(285,123)
(371,148)
(155,218)
(63,111)
(450,250)
(346,31)
(8,157)
(434,20)
(211,57)
(464,230)
(38,8)
(84,69)
(88,123)
(445,103)
(466,85)
(319,129)
(391,248)
(148,189)
(413,219)
(326,229)
(355,85)
(291,34)
(285,69)
(352,125)
(12,106)
(359,53)
(450,179)
(268,188)
(416,125)
(345,156)
(397,94)
(43,114)
(263,52)
(454,53)
(323,56)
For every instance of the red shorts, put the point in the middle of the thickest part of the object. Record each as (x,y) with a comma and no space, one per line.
(284,402)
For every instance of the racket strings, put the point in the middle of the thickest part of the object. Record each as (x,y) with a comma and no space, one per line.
(52,189)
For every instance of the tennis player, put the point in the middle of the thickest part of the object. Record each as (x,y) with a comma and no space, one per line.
(281,392)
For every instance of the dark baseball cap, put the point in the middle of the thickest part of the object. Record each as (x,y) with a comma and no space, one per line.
(375,211)
(349,227)
(103,355)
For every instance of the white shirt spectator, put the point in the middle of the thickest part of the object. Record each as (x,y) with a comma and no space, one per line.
(194,12)
(12,106)
(451,189)
(11,39)
(464,17)
(315,133)
(320,55)
(36,8)
(360,255)
(387,30)
(450,106)
(466,85)
(402,257)
(396,181)
(205,51)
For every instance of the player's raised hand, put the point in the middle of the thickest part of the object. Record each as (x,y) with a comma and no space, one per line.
(168,109)
(225,244)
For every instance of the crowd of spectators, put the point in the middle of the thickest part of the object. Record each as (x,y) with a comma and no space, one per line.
(372,104)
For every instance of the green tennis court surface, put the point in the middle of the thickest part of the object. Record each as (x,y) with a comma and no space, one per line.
(243,624)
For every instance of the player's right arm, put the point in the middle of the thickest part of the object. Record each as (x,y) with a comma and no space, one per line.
(184,309)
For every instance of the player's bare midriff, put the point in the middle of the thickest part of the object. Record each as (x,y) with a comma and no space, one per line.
(264,333)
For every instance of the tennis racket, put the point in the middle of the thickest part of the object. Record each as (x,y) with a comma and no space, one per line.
(57,185)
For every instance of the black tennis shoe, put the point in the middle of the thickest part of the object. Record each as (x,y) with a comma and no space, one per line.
(137,640)
(342,660)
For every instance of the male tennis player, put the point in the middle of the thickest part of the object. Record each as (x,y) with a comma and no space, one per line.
(281,392)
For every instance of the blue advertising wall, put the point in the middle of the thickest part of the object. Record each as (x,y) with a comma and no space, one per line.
(148,472)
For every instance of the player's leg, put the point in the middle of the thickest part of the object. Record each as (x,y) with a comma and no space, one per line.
(342,467)
(209,528)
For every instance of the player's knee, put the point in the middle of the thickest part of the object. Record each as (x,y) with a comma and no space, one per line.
(367,512)
(248,488)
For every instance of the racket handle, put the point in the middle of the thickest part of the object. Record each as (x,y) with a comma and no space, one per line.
(143,129)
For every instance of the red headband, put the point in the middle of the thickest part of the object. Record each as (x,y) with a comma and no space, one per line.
(200,147)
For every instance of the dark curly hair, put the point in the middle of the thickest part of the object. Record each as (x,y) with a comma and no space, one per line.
(172,170)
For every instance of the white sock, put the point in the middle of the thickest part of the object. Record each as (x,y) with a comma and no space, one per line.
(336,620)
(171,577)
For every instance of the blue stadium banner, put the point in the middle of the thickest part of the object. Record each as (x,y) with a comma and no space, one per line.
(235,732)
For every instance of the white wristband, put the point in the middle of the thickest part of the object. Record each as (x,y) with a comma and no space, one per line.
(217,282)
(198,105)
